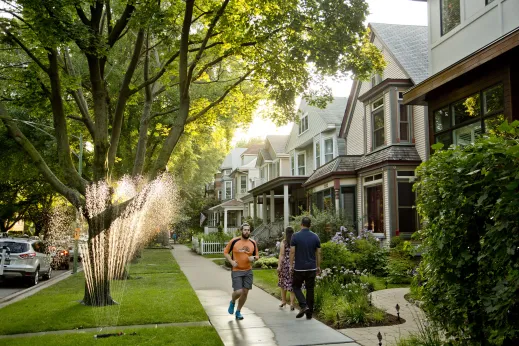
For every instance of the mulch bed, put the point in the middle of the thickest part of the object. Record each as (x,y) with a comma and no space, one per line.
(390,320)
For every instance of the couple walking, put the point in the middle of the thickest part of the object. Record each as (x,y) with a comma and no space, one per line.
(305,248)
(298,263)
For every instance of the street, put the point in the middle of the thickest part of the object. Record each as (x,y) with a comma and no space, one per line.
(13,285)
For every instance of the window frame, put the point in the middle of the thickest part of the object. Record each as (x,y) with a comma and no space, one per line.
(302,122)
(376,111)
(242,190)
(481,118)
(317,153)
(225,189)
(299,165)
(442,33)
(408,122)
(333,149)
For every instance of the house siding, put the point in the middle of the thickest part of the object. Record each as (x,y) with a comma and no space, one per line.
(387,208)
(360,204)
(392,69)
(355,135)
(419,122)
(369,122)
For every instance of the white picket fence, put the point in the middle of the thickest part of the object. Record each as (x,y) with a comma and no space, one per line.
(201,247)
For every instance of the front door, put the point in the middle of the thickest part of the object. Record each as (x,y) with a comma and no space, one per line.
(375,208)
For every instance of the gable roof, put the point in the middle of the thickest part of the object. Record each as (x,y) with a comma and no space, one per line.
(232,160)
(318,121)
(253,149)
(342,164)
(278,143)
(408,44)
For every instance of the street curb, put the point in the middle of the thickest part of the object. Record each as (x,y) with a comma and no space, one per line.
(12,298)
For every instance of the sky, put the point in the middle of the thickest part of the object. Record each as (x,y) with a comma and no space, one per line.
(381,11)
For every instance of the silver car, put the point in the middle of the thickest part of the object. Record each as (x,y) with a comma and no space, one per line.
(25,258)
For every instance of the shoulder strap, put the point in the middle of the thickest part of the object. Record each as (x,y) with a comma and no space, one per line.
(232,245)
(253,243)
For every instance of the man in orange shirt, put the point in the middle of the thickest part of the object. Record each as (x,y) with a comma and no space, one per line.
(241,252)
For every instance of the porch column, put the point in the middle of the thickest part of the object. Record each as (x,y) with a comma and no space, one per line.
(255,207)
(285,206)
(238,216)
(264,209)
(225,220)
(337,190)
(272,206)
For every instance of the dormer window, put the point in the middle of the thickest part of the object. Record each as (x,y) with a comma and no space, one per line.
(226,172)
(303,123)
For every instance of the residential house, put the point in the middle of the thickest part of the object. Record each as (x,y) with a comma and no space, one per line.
(229,212)
(474,76)
(385,139)
(286,162)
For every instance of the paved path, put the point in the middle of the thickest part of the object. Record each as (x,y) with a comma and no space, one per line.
(265,324)
(387,300)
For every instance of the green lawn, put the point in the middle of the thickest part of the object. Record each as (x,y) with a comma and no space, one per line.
(173,336)
(214,255)
(158,292)
(267,280)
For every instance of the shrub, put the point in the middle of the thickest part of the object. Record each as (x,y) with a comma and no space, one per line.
(467,197)
(400,270)
(333,254)
(266,263)
(371,257)
(324,223)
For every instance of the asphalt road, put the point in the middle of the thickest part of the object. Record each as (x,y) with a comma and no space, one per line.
(10,286)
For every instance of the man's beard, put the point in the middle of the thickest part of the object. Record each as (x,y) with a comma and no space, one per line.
(246,236)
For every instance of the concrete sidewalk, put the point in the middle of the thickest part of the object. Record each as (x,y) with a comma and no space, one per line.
(265,322)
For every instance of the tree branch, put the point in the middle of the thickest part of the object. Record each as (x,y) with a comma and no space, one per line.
(206,39)
(124,94)
(71,195)
(157,76)
(81,15)
(219,100)
(173,110)
(27,51)
(120,25)
(108,17)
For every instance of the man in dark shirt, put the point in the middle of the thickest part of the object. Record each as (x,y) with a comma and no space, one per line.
(305,248)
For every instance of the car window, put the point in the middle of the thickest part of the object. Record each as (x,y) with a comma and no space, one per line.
(38,247)
(14,247)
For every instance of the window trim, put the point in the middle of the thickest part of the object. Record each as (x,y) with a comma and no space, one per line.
(298,166)
(481,118)
(370,180)
(317,153)
(241,184)
(302,120)
(324,148)
(441,19)
(225,189)
(408,122)
(374,112)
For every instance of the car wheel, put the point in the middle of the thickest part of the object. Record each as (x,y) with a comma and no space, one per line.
(33,280)
(48,275)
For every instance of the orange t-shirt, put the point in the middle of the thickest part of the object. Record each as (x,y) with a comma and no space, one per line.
(241,251)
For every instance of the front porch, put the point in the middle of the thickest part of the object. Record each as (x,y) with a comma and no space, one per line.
(229,215)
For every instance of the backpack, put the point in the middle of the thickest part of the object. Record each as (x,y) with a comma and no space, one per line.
(234,242)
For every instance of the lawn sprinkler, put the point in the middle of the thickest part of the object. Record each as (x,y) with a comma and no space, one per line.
(98,336)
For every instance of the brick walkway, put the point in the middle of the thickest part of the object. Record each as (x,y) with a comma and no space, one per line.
(387,300)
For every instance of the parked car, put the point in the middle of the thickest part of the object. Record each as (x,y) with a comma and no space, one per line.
(71,253)
(27,258)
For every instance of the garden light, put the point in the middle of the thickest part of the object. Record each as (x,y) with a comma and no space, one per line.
(379,337)
(398,311)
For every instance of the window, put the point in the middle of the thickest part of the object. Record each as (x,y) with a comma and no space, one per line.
(375,209)
(243,184)
(488,2)
(301,164)
(219,195)
(404,123)
(378,123)
(292,165)
(464,120)
(303,123)
(450,15)
(407,217)
(226,172)
(317,154)
(347,203)
(375,80)
(373,178)
(328,150)
(228,190)
(15,247)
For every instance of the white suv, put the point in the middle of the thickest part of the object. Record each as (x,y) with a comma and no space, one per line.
(24,257)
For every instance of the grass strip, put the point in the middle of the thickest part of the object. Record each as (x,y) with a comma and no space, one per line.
(158,292)
(173,336)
